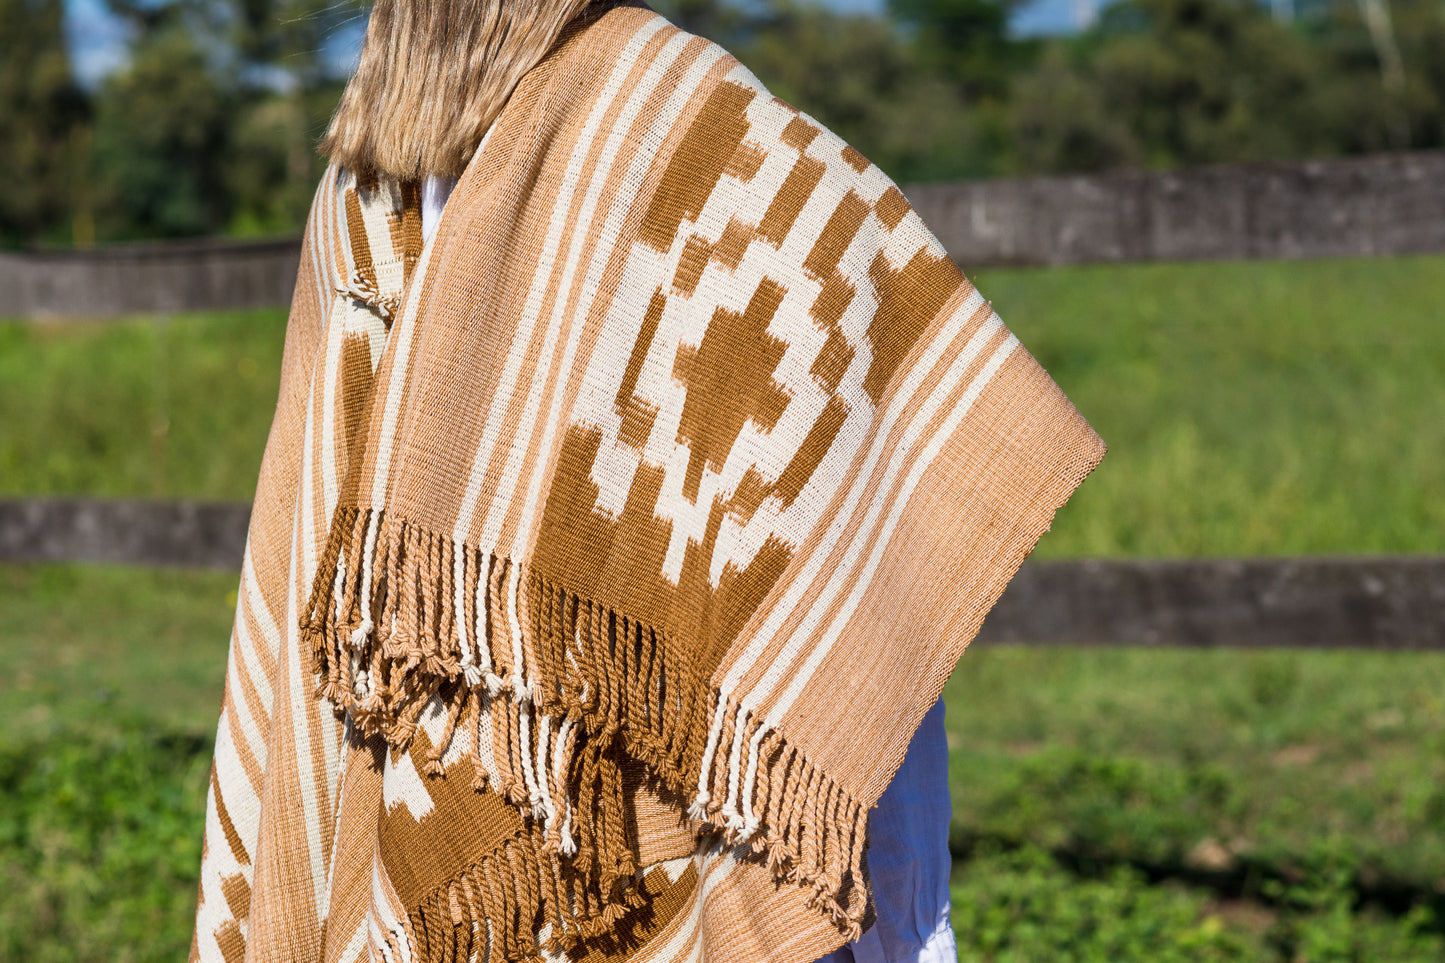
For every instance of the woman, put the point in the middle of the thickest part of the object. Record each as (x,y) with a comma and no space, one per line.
(641,468)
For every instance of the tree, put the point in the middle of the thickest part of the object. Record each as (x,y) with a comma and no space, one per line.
(1176,82)
(965,41)
(286,92)
(42,113)
(213,126)
(161,131)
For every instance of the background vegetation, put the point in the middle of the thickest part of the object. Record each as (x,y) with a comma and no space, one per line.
(1109,804)
(210,126)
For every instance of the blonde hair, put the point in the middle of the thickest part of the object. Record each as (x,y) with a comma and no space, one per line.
(433,75)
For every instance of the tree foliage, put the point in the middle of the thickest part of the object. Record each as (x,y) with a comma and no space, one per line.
(41,116)
(211,127)
(212,124)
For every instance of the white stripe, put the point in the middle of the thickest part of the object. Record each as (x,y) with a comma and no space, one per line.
(459,597)
(904,450)
(519,684)
(254,731)
(300,695)
(643,156)
(542,278)
(242,799)
(355,945)
(688,938)
(899,503)
(214,909)
(335,337)
(804,580)
(254,604)
(879,532)
(313,240)
(885,432)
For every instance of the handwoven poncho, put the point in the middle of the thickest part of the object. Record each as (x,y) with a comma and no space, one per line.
(609,546)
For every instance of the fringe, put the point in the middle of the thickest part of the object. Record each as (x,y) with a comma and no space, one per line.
(510,895)
(399,614)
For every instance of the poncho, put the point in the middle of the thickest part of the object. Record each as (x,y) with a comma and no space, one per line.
(609,546)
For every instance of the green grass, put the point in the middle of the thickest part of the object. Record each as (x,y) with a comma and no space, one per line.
(1286,799)
(86,644)
(1109,804)
(152,407)
(100,844)
(1255,408)
(1023,907)
(1222,761)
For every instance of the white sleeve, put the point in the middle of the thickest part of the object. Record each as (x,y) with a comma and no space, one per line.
(908,859)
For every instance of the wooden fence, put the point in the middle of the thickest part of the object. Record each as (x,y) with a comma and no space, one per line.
(1377,603)
(1385,204)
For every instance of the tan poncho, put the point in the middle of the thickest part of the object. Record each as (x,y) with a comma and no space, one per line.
(609,548)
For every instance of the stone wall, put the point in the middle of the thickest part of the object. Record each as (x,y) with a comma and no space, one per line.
(1380,205)
(201,275)
(1367,602)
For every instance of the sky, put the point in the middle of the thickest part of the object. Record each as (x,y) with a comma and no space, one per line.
(98,40)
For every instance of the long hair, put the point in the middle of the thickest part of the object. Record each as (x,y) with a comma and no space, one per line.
(433,74)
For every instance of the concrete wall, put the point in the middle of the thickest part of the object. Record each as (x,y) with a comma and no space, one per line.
(198,275)
(1385,602)
(1386,204)
(1378,603)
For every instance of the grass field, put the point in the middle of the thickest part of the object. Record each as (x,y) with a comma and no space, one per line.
(1110,804)
(1116,805)
(1250,408)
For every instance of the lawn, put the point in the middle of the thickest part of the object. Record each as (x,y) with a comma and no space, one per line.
(1109,804)
(1256,408)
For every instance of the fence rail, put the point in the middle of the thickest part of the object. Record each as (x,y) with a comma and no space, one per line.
(201,275)
(1378,205)
(1357,602)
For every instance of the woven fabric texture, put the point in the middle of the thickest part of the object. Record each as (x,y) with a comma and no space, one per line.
(589,530)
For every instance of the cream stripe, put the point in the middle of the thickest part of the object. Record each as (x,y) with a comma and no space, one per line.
(320,288)
(872,535)
(387,914)
(300,700)
(240,795)
(252,609)
(238,759)
(642,157)
(803,582)
(897,409)
(237,683)
(403,331)
(241,686)
(557,227)
(385,264)
(265,621)
(214,909)
(320,239)
(567,318)
(685,941)
(354,946)
(335,338)
(897,504)
(878,526)
(323,731)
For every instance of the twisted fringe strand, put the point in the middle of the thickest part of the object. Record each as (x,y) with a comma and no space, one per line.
(399,614)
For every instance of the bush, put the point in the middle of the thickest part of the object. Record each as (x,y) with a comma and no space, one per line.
(100,845)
